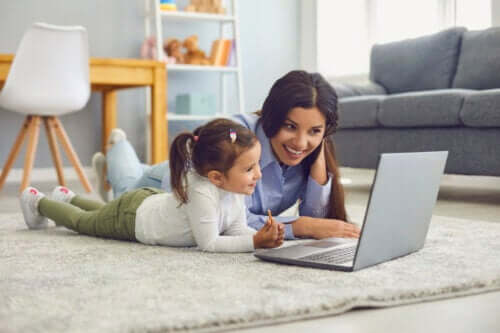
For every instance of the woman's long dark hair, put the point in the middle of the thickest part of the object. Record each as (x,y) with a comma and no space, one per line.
(209,147)
(307,90)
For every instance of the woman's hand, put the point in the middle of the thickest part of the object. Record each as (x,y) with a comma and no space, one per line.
(318,168)
(320,228)
(269,236)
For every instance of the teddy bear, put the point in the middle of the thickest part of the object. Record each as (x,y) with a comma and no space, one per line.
(193,55)
(173,48)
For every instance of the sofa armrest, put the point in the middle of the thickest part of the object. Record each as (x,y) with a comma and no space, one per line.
(365,89)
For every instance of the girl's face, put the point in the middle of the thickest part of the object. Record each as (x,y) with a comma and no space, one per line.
(301,133)
(244,174)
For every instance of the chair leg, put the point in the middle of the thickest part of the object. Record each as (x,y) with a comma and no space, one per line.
(56,156)
(34,130)
(15,150)
(61,133)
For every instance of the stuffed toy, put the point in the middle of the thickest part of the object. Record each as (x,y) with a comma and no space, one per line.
(193,55)
(148,50)
(173,47)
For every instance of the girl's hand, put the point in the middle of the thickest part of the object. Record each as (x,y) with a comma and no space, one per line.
(269,236)
(320,228)
(318,168)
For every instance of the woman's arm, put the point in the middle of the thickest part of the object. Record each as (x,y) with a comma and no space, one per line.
(318,168)
(319,228)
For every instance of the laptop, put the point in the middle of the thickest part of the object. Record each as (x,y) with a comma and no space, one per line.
(396,222)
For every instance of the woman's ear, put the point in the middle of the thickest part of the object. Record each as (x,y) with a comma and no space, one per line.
(216,177)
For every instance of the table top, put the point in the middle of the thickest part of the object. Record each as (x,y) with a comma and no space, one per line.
(108,72)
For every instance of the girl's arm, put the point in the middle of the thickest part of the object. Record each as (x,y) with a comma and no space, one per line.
(203,212)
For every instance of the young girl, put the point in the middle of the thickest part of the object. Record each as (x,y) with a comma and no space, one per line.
(211,170)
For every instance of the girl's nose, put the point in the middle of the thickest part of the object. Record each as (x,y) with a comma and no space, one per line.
(258,173)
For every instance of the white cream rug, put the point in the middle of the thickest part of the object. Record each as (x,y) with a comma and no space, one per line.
(57,281)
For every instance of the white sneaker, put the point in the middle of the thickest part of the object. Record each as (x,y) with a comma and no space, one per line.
(61,193)
(29,200)
(99,164)
(117,135)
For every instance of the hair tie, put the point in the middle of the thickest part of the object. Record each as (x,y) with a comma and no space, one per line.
(232,135)
(195,138)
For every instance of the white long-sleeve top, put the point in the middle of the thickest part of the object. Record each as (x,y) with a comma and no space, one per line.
(213,219)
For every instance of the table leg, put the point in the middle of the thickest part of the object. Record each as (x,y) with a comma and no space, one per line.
(159,136)
(108,116)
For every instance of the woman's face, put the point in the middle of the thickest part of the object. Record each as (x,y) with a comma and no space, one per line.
(301,133)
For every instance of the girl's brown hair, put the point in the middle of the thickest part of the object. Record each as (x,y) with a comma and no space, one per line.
(209,147)
(307,90)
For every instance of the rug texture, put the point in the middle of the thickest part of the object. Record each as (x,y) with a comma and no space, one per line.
(54,280)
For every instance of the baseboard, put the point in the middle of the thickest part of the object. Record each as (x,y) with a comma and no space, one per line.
(47,174)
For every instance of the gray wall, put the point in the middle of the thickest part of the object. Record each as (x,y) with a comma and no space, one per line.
(269,33)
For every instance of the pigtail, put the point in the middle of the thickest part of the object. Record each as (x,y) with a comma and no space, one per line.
(180,161)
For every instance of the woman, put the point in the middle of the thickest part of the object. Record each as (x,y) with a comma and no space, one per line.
(298,160)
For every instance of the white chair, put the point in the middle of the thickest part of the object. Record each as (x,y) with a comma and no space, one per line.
(49,77)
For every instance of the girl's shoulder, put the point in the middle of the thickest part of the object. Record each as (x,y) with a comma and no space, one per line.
(200,184)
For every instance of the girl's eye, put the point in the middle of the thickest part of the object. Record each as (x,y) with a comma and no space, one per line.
(316,130)
(250,169)
(289,126)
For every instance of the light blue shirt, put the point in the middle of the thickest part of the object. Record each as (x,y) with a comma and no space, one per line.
(281,186)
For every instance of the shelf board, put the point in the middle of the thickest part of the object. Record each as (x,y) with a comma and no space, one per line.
(176,116)
(194,16)
(182,67)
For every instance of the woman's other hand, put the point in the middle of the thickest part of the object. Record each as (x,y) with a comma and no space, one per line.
(320,228)
(318,168)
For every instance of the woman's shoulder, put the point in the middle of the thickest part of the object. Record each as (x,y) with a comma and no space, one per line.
(249,120)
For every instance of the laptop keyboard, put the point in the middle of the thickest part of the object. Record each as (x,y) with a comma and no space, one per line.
(335,256)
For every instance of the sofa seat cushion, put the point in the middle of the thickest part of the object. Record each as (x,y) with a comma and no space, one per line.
(478,64)
(422,63)
(359,112)
(482,109)
(436,108)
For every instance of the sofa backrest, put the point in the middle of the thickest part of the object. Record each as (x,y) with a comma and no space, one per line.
(479,60)
(416,64)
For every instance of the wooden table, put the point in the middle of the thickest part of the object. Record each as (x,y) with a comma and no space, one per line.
(108,75)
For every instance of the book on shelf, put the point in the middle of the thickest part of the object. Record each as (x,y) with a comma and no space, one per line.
(221,51)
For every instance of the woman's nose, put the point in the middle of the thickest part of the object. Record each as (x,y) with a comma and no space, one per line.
(300,141)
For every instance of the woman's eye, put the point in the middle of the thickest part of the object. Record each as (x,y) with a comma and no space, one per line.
(289,126)
(316,131)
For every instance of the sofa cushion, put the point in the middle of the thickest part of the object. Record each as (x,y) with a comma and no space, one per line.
(479,62)
(357,112)
(482,109)
(437,108)
(423,63)
(347,89)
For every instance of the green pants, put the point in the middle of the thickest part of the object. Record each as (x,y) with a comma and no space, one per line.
(115,219)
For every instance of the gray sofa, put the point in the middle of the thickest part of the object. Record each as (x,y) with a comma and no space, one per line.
(437,92)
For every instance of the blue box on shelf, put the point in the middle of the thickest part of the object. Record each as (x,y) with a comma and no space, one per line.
(195,104)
